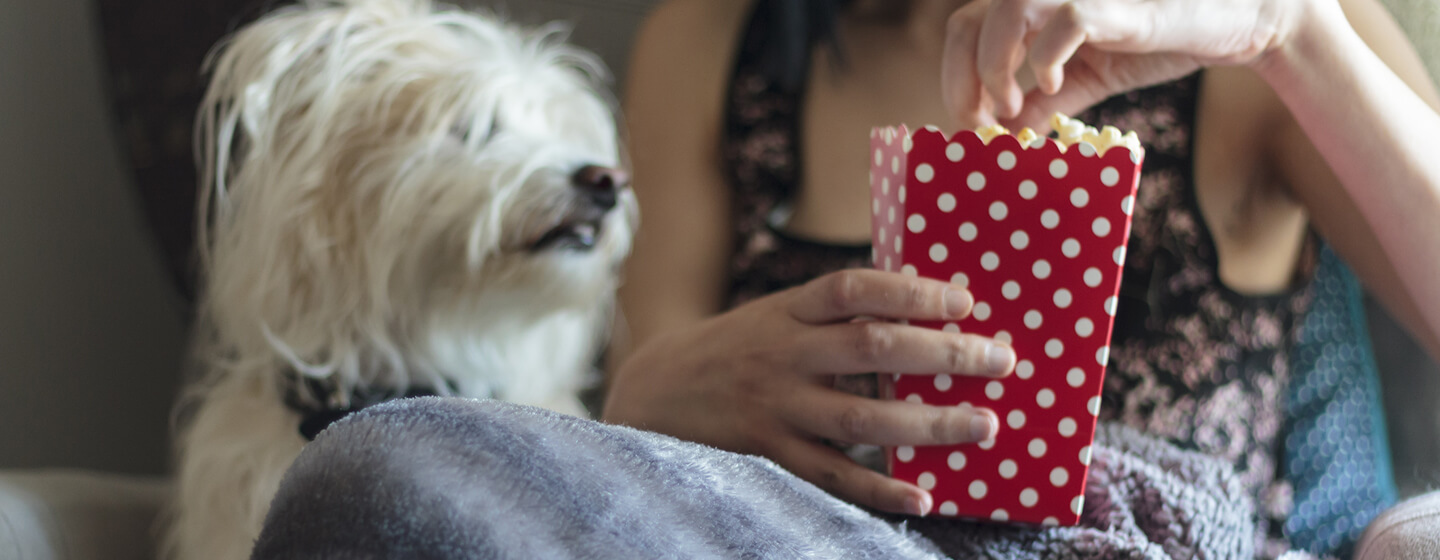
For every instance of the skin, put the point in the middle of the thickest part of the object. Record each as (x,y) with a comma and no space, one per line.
(756,379)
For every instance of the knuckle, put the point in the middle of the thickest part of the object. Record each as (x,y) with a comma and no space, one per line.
(915,297)
(856,423)
(873,341)
(960,353)
(845,290)
(943,426)
(829,477)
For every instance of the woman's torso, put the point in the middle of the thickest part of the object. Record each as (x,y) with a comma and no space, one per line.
(1192,359)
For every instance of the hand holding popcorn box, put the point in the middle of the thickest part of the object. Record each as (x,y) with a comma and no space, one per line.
(1036,229)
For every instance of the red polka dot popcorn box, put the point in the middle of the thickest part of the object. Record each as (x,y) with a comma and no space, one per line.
(1036,229)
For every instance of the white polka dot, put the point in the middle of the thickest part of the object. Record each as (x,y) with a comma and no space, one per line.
(1062,298)
(1127,205)
(924,173)
(879,157)
(1024,369)
(1077,503)
(1028,189)
(938,252)
(1016,419)
(909,270)
(1119,255)
(1019,240)
(908,144)
(1067,427)
(1058,168)
(1045,398)
(875,206)
(887,263)
(942,382)
(1079,197)
(891,214)
(1093,405)
(954,152)
(1086,149)
(914,398)
(1041,269)
(915,223)
(1054,348)
(1036,448)
(994,390)
(885,186)
(1033,319)
(905,453)
(1110,306)
(926,480)
(875,255)
(882,234)
(950,328)
(889,136)
(1101,227)
(897,244)
(1084,327)
(978,489)
(1008,469)
(986,444)
(981,311)
(955,461)
(946,202)
(960,279)
(1006,160)
(948,507)
(1070,248)
(1075,377)
(1000,515)
(976,180)
(1050,522)
(1011,290)
(1049,219)
(1003,336)
(1093,277)
(1059,476)
(895,164)
(902,194)
(1028,497)
(1109,176)
(968,231)
(1102,356)
(990,261)
(998,211)
(1085,455)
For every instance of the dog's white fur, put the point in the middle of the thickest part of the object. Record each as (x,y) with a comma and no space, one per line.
(364,224)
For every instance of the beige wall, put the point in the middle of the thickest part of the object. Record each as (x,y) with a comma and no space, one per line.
(89,334)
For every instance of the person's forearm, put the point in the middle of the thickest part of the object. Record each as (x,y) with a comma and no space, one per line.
(1381,140)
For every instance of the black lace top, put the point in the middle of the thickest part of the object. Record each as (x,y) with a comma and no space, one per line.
(1191,360)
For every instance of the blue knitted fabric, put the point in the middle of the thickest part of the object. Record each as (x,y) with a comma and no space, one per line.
(1337,455)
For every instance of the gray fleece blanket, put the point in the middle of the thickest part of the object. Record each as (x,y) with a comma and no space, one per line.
(456,478)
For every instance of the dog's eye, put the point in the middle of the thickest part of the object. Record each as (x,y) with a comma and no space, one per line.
(463,131)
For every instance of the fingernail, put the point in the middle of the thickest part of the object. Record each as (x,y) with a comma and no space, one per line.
(998,358)
(981,426)
(957,303)
(917,505)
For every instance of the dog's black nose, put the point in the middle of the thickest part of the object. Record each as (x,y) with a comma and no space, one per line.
(601,184)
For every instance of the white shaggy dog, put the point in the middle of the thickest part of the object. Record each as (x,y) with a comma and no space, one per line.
(396,199)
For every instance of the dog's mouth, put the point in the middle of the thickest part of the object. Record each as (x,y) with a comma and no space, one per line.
(579,233)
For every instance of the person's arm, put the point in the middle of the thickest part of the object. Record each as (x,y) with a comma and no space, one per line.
(674,114)
(1381,207)
(1361,148)
(754,379)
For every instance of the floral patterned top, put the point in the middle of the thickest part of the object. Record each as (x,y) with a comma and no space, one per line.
(1191,360)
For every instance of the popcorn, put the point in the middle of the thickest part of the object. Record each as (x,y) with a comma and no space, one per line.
(1070,131)
(1038,234)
